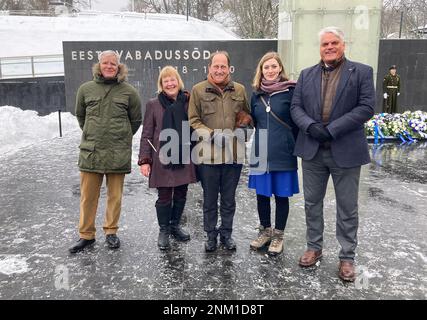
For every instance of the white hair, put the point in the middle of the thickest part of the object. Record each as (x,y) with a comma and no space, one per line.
(334,30)
(109,53)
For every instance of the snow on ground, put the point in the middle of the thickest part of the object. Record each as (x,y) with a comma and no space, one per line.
(23,128)
(44,35)
(10,264)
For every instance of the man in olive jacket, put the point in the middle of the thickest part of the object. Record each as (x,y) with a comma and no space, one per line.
(109,112)
(213,106)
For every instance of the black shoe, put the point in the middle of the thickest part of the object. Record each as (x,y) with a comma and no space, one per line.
(163,240)
(113,241)
(228,243)
(80,245)
(211,245)
(178,233)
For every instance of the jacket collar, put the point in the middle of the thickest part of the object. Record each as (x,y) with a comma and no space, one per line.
(259,92)
(347,68)
(212,89)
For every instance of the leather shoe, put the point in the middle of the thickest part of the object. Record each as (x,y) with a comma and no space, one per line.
(80,245)
(310,257)
(113,241)
(228,243)
(211,244)
(346,271)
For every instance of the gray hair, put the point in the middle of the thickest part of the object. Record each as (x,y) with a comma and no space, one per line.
(109,53)
(334,30)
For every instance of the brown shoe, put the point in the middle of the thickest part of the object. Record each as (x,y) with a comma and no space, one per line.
(276,245)
(346,271)
(310,257)
(264,238)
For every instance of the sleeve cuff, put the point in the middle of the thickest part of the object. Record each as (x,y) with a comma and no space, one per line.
(142,161)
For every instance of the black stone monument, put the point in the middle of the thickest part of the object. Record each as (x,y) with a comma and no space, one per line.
(145,59)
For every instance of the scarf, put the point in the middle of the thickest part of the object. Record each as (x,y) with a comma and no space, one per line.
(332,66)
(271,86)
(173,117)
(220,86)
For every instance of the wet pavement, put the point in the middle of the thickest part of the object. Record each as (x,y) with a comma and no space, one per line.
(39,201)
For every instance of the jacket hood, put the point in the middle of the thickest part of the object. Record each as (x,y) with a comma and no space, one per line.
(121,75)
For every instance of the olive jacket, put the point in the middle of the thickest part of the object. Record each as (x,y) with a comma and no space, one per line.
(109,113)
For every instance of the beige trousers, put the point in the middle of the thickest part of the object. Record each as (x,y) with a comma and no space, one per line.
(90,187)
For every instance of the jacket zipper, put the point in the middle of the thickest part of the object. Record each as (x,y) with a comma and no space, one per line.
(268,123)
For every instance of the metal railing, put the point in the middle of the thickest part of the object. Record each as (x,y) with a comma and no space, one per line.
(31,66)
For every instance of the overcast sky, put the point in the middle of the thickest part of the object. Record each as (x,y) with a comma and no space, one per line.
(108,5)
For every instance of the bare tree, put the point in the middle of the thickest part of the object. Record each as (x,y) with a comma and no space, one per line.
(201,9)
(158,6)
(405,16)
(38,4)
(254,18)
(13,5)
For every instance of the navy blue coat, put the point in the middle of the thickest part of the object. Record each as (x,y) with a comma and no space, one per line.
(353,105)
(280,141)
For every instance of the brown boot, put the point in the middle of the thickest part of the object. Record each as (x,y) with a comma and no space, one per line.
(310,257)
(346,271)
(276,245)
(264,238)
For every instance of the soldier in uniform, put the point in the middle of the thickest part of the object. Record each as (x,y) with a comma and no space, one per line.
(391,90)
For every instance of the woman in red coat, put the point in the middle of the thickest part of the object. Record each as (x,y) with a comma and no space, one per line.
(167,163)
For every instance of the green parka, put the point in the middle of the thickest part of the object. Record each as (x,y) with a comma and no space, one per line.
(109,113)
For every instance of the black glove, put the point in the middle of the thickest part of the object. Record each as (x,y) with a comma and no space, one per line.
(319,132)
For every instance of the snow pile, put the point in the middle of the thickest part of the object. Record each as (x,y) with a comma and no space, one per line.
(44,35)
(10,264)
(21,128)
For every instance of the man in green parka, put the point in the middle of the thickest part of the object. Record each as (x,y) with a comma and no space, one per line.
(391,90)
(109,112)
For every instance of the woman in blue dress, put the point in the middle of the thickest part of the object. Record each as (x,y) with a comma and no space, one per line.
(273,166)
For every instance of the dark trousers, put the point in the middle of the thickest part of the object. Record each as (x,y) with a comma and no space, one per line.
(316,174)
(219,179)
(264,211)
(390,104)
(167,194)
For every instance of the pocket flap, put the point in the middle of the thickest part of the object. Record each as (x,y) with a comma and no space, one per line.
(208,98)
(87,145)
(237,98)
(89,100)
(121,101)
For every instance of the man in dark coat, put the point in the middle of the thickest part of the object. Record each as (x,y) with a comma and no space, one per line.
(391,90)
(108,110)
(332,101)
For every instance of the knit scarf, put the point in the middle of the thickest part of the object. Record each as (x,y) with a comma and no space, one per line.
(271,86)
(173,118)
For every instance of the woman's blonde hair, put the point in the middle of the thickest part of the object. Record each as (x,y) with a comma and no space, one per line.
(256,83)
(169,71)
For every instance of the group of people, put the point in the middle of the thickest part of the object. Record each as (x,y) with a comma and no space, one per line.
(202,135)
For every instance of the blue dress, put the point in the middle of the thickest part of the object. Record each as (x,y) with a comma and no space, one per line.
(279,183)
